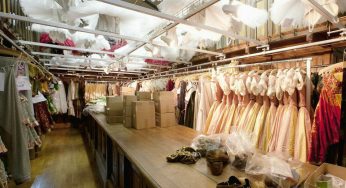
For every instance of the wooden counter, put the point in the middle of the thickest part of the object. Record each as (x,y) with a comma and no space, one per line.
(141,154)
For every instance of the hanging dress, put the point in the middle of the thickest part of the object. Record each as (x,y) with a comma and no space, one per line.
(205,102)
(326,126)
(261,117)
(269,120)
(214,107)
(254,111)
(279,112)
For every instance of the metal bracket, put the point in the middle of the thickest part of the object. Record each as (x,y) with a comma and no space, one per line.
(264,47)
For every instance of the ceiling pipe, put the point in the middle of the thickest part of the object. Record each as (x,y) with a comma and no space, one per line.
(95,59)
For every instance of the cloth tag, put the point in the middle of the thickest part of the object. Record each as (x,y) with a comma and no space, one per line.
(23,83)
(2,81)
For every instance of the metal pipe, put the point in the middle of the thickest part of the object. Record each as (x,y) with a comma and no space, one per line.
(96,32)
(87,58)
(94,51)
(175,19)
(93,70)
(263,53)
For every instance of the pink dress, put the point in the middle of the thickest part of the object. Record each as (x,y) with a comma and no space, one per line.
(268,126)
(231,115)
(217,102)
(286,139)
(276,126)
(260,121)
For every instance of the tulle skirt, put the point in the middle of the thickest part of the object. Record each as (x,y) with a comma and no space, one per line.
(216,116)
(251,117)
(244,116)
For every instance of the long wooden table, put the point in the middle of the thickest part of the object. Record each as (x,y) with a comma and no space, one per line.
(137,158)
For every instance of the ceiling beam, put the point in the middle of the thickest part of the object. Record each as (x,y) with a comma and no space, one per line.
(96,32)
(94,51)
(175,19)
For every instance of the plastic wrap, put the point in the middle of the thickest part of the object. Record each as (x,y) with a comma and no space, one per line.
(240,148)
(278,172)
(203,143)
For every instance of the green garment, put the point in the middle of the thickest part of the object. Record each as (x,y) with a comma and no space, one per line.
(11,128)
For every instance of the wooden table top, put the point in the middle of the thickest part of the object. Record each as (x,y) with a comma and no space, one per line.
(148,148)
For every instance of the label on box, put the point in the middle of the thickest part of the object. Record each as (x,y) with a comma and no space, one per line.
(23,83)
(2,81)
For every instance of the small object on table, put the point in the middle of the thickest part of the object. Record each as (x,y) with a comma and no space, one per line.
(234,182)
(216,160)
(185,155)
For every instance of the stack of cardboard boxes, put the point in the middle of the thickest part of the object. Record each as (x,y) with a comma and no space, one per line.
(164,108)
(114,109)
(128,99)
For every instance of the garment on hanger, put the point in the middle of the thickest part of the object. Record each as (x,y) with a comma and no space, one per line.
(190,110)
(59,98)
(12,130)
(170,85)
(181,102)
(204,103)
(326,124)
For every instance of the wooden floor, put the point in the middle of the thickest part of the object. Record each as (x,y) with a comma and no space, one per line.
(63,162)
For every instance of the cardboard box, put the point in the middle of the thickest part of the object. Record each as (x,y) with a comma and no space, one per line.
(114,119)
(163,95)
(144,96)
(113,99)
(114,112)
(115,106)
(324,169)
(127,91)
(143,114)
(127,121)
(127,111)
(128,99)
(165,119)
(164,106)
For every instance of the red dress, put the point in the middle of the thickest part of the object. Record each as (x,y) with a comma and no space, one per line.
(326,125)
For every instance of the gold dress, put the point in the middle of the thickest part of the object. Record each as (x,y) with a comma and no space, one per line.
(260,120)
(268,126)
(231,115)
(303,130)
(217,115)
(225,116)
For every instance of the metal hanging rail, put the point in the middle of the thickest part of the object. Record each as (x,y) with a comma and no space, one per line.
(306,60)
(96,70)
(330,41)
(94,59)
(96,32)
(94,51)
(175,19)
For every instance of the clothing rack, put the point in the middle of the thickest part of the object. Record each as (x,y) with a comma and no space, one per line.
(306,60)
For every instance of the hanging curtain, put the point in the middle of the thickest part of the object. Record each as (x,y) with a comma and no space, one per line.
(11,128)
